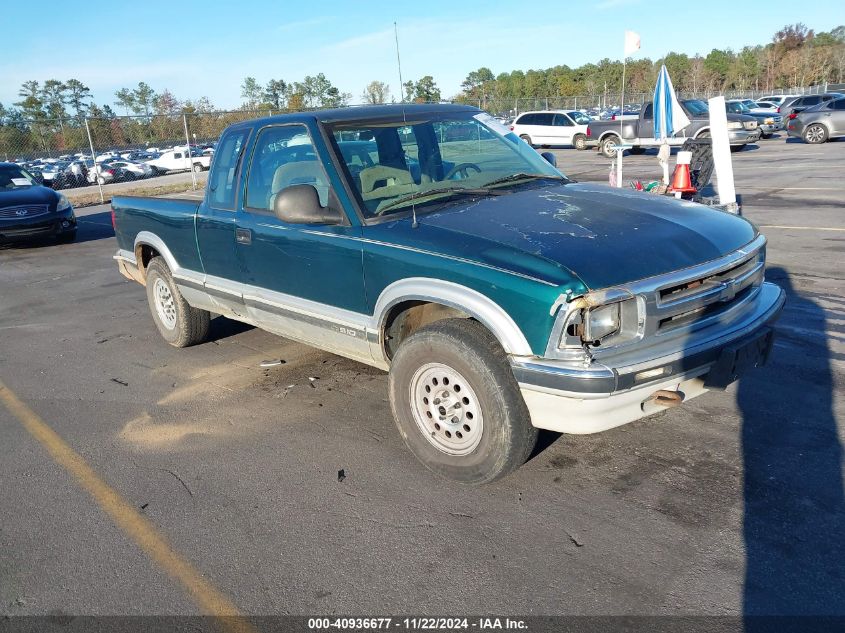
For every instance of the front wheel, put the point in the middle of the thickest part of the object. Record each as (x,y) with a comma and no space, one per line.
(457,404)
(737,148)
(608,146)
(579,142)
(180,324)
(815,134)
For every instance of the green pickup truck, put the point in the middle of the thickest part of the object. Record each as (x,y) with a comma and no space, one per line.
(428,240)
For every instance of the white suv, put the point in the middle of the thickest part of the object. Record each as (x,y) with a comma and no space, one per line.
(553,127)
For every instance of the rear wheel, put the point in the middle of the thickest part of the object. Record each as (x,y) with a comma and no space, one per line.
(179,324)
(457,404)
(579,142)
(815,134)
(526,138)
(197,168)
(608,146)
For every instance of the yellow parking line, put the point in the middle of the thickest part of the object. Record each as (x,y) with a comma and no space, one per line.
(799,228)
(126,517)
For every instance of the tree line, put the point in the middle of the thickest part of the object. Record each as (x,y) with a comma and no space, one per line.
(795,57)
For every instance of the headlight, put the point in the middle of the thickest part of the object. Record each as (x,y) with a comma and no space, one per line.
(63,203)
(750,125)
(601,322)
(734,125)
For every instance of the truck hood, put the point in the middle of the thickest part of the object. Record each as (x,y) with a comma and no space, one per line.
(603,236)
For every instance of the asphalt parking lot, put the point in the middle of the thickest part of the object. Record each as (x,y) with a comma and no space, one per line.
(732,504)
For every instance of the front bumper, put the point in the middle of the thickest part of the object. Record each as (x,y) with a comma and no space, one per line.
(41,226)
(596,398)
(743,137)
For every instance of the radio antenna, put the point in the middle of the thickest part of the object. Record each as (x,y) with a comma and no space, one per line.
(414,224)
(399,64)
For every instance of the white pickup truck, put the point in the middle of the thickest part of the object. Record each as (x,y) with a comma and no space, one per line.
(180,160)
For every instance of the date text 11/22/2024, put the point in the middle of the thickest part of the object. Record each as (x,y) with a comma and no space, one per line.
(415,624)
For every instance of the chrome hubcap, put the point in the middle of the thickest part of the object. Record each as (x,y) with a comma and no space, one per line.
(165,305)
(446,409)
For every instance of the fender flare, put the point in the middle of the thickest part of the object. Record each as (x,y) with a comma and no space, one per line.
(477,305)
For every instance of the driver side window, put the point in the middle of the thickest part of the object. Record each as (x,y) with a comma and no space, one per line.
(283,156)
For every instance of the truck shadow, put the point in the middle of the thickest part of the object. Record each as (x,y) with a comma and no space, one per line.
(794,505)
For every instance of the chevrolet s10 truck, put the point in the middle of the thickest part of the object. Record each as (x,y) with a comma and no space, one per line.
(430,241)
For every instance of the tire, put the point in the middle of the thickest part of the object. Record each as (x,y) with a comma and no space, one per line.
(766,136)
(489,433)
(737,148)
(579,142)
(101,180)
(197,168)
(66,238)
(179,324)
(527,139)
(815,134)
(608,146)
(637,151)
(704,135)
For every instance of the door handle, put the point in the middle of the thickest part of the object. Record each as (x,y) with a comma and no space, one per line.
(243,236)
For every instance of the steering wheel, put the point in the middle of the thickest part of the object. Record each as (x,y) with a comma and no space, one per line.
(461,168)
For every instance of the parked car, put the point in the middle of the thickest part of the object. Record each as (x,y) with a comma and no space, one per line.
(554,127)
(742,129)
(54,174)
(180,160)
(779,100)
(106,173)
(502,296)
(29,210)
(131,170)
(799,104)
(769,123)
(765,107)
(819,123)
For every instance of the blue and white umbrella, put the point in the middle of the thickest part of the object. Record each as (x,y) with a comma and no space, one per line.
(669,116)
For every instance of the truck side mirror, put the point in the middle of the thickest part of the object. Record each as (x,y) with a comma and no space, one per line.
(300,204)
(550,158)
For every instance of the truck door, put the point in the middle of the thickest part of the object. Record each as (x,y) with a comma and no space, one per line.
(215,224)
(304,281)
(646,126)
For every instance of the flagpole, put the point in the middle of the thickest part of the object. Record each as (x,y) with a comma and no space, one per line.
(620,151)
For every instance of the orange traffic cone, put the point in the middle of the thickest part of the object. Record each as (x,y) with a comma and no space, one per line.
(681,182)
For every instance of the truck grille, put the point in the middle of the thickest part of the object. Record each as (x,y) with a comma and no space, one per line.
(699,299)
(24,211)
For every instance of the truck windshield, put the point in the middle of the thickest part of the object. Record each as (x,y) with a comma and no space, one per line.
(13,177)
(394,164)
(696,106)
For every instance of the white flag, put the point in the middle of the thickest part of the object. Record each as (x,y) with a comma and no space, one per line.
(632,43)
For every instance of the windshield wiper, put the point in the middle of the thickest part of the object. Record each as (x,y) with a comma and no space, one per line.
(454,191)
(523,176)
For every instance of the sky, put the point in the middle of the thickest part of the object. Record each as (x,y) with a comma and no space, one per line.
(206,48)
